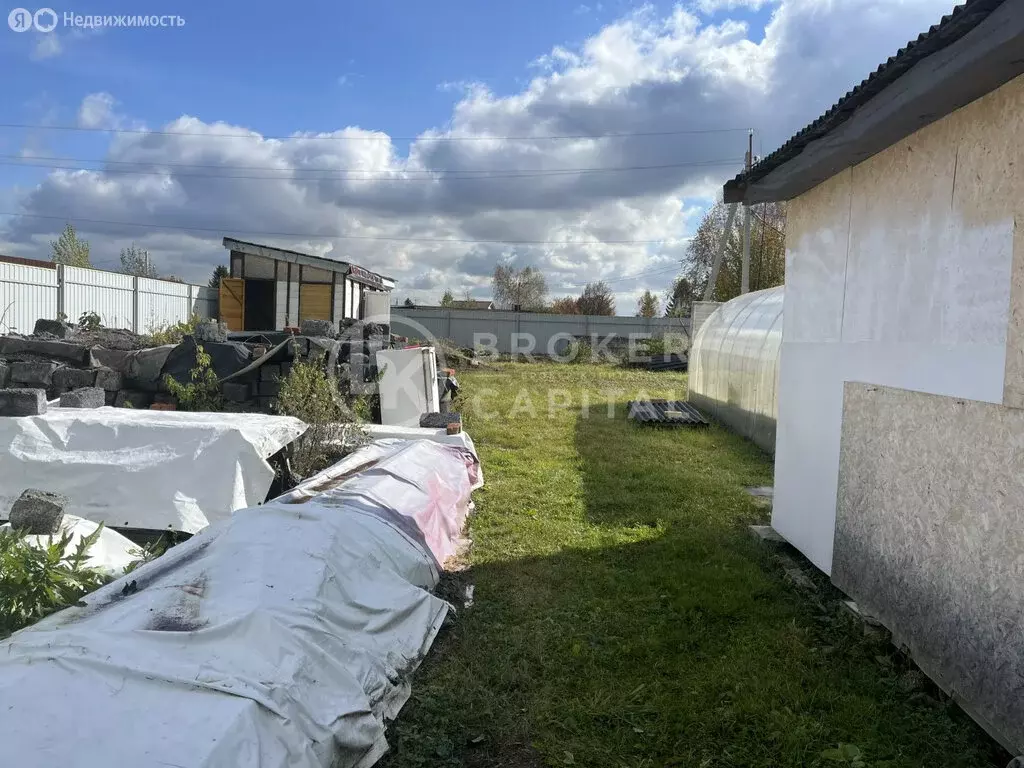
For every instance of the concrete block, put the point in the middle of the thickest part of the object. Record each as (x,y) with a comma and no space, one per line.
(235,392)
(5,373)
(439,420)
(324,328)
(766,534)
(145,365)
(34,373)
(268,388)
(211,331)
(128,398)
(38,512)
(265,403)
(109,397)
(58,350)
(115,359)
(86,397)
(65,379)
(108,379)
(270,372)
(22,402)
(299,346)
(53,327)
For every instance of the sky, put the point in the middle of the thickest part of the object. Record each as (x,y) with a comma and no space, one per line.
(425,141)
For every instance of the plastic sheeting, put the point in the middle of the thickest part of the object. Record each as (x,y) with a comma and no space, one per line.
(734,365)
(283,635)
(144,469)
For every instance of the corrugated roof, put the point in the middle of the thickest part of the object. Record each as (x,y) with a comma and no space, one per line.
(951,28)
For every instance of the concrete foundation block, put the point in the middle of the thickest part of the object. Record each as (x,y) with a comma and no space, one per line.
(268,388)
(38,512)
(270,372)
(5,374)
(86,397)
(766,534)
(211,330)
(235,392)
(33,373)
(53,327)
(128,398)
(22,402)
(108,379)
(65,379)
(58,350)
(325,328)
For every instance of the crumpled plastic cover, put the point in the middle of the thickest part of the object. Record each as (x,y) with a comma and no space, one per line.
(283,635)
(168,470)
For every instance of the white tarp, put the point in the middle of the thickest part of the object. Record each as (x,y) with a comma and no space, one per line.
(283,635)
(168,470)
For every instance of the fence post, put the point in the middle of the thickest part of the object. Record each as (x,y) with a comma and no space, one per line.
(60,292)
(192,303)
(135,304)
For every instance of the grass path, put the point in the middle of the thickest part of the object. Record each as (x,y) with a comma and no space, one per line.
(624,617)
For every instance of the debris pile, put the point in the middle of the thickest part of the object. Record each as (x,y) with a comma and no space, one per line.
(89,368)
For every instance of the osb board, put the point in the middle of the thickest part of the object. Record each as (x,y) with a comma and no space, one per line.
(314,302)
(232,303)
(930,540)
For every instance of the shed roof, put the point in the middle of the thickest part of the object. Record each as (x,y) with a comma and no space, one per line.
(970,52)
(297,257)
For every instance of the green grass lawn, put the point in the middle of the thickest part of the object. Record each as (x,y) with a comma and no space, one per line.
(623,615)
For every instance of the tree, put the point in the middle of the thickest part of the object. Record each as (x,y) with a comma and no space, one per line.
(767,251)
(218,272)
(525,288)
(596,299)
(136,261)
(69,249)
(679,298)
(448,300)
(648,305)
(567,305)
(410,303)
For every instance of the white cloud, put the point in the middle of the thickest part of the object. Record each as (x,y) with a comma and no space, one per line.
(641,74)
(97,111)
(47,46)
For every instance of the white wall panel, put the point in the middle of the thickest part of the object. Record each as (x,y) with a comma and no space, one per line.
(925,275)
(161,303)
(108,294)
(26,294)
(280,303)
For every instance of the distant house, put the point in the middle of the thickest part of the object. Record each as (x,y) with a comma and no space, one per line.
(272,288)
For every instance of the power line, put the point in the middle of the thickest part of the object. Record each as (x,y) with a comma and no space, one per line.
(443,176)
(381,137)
(661,271)
(310,236)
(299,168)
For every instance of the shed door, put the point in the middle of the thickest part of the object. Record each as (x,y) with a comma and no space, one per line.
(314,301)
(232,302)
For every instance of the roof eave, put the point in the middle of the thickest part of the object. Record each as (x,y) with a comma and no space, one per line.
(974,64)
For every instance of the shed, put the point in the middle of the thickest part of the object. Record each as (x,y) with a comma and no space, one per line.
(271,288)
(901,381)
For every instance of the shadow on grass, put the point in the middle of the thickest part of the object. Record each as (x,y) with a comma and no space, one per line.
(670,639)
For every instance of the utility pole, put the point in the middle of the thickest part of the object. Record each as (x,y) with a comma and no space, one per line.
(745,268)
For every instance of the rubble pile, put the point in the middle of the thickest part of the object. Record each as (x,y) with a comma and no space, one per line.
(90,368)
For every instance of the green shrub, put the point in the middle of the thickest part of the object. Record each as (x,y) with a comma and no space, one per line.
(202,393)
(172,333)
(309,394)
(38,581)
(90,321)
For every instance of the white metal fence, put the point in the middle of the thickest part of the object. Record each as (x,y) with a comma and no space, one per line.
(139,304)
(549,333)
